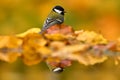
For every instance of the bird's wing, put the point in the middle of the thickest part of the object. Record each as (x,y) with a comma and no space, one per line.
(50,22)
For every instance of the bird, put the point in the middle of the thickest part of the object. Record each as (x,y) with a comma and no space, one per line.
(58,70)
(56,16)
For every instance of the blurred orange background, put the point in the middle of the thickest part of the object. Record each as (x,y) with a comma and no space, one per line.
(102,16)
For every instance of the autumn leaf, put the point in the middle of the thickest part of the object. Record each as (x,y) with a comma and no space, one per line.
(55,36)
(10,48)
(60,29)
(34,49)
(91,37)
(58,46)
(58,62)
(32,30)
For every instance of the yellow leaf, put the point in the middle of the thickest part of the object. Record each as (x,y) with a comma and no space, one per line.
(34,49)
(91,37)
(33,30)
(10,48)
(55,36)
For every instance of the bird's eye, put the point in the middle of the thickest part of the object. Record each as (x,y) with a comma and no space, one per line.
(58,70)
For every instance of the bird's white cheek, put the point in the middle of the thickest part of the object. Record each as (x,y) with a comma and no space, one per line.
(58,11)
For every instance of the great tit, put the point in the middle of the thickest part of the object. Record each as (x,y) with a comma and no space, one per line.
(58,70)
(56,16)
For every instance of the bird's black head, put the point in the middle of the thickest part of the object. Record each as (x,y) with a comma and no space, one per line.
(59,10)
(58,70)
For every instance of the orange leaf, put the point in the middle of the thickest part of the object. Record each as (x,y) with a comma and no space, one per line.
(34,49)
(10,48)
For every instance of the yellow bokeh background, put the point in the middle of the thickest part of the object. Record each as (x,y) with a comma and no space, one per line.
(102,16)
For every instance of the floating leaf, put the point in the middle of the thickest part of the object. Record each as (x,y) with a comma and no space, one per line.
(32,30)
(67,52)
(58,46)
(91,37)
(60,29)
(55,36)
(34,49)
(55,62)
(10,48)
